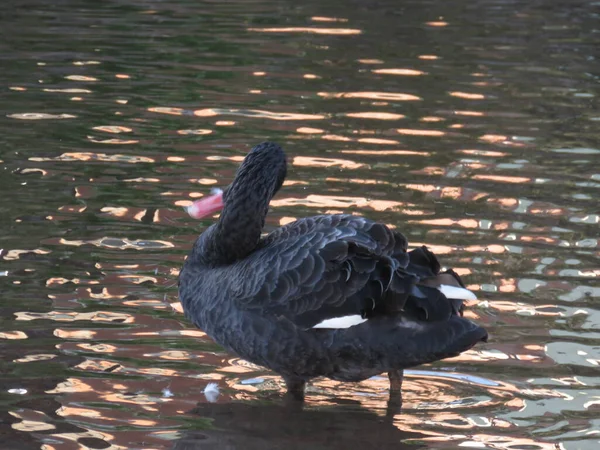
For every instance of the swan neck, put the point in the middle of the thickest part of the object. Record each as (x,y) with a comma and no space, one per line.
(246,204)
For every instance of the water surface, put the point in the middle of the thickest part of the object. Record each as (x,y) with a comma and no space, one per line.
(472,127)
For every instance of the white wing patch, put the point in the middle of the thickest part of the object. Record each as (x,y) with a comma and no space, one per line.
(341,322)
(456,293)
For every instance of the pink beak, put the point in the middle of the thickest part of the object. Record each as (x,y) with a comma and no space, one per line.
(206,206)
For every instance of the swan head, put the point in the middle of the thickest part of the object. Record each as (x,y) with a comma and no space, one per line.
(263,170)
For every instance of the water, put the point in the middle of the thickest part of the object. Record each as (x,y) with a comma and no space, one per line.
(471,126)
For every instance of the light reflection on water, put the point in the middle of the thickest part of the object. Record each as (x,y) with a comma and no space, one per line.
(469,129)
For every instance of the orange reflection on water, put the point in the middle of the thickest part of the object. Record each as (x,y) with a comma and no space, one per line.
(465,223)
(80,78)
(469,113)
(60,280)
(71,385)
(406,72)
(371,95)
(113,141)
(65,316)
(69,90)
(386,152)
(191,333)
(71,411)
(376,115)
(16,253)
(534,310)
(13,335)
(467,95)
(502,178)
(356,181)
(501,442)
(167,110)
(330,201)
(31,425)
(370,61)
(113,129)
(285,220)
(121,243)
(413,132)
(308,161)
(34,358)
(96,348)
(197,132)
(115,211)
(288,182)
(307,130)
(173,355)
(334,137)
(229,158)
(103,294)
(74,334)
(89,156)
(493,138)
(331,31)
(142,180)
(257,113)
(328,19)
(377,141)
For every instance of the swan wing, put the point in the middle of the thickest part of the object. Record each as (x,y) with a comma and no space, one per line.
(337,271)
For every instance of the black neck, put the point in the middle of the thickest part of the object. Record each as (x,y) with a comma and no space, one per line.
(246,203)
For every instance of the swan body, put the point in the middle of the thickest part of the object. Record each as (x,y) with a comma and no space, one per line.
(338,296)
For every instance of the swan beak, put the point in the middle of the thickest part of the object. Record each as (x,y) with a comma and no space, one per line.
(206,206)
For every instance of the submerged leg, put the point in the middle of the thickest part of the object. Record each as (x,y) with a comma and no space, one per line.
(295,387)
(395,401)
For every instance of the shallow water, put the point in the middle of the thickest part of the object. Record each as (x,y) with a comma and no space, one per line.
(470,126)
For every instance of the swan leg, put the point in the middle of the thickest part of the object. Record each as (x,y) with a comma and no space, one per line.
(295,387)
(396,377)
(395,400)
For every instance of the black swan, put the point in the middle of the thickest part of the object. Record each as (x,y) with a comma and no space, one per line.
(337,296)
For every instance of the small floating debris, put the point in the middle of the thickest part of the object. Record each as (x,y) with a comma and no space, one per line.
(211,392)
(19,391)
(253,381)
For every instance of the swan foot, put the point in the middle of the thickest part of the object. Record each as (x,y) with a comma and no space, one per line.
(395,400)
(295,388)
